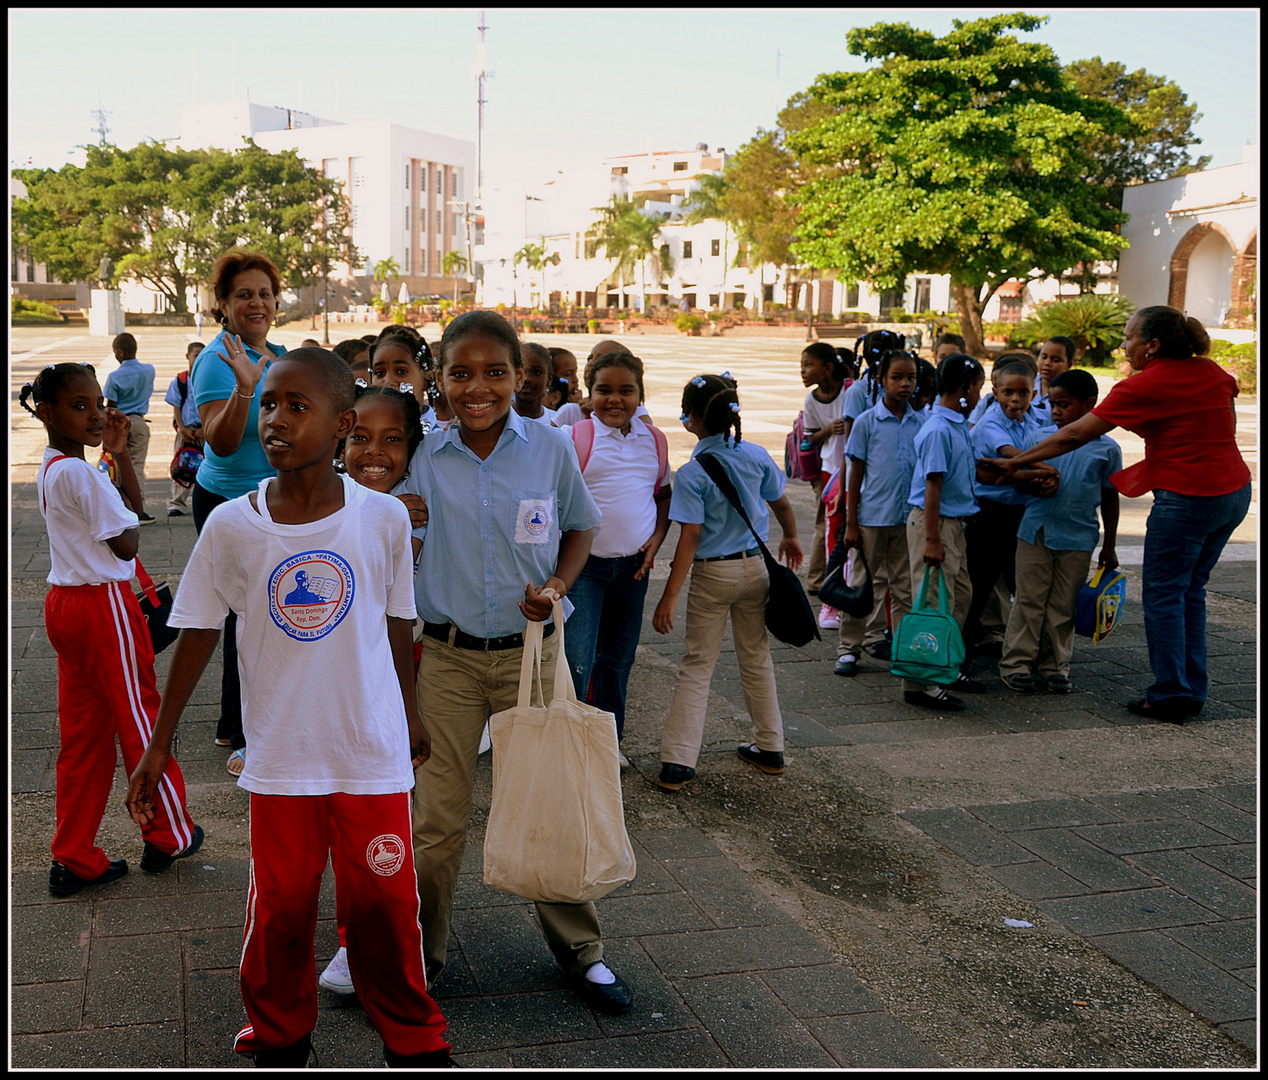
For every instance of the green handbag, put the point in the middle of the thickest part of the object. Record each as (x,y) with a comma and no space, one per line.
(928,646)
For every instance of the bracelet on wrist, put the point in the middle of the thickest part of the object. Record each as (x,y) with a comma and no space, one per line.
(241,394)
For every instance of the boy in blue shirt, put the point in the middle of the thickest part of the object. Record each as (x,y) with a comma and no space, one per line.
(129,389)
(188,425)
(1054,546)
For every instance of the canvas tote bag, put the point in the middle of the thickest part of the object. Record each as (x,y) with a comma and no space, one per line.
(556,827)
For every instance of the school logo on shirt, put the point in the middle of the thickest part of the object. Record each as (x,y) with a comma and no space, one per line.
(385,854)
(310,593)
(532,526)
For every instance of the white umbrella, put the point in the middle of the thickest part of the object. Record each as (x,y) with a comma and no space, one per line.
(403,297)
(383,294)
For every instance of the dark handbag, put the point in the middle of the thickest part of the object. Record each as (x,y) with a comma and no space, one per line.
(836,592)
(156,606)
(788,614)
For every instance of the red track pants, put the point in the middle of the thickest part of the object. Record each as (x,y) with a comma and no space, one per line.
(105,690)
(370,840)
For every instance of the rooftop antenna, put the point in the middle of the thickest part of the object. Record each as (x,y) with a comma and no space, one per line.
(481,72)
(102,128)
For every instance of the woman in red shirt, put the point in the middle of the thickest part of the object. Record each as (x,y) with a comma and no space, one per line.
(1182,405)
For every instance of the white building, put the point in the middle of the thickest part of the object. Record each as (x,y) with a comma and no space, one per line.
(1194,242)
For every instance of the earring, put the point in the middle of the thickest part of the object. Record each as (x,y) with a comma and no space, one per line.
(340,467)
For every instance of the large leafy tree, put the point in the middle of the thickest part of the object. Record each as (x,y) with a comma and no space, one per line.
(163,215)
(967,155)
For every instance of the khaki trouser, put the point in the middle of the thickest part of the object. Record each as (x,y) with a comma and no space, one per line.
(1041,626)
(737,587)
(885,549)
(458,690)
(818,557)
(138,444)
(955,568)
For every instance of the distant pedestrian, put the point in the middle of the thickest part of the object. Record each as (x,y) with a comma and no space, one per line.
(129,389)
(105,662)
(198,321)
(189,428)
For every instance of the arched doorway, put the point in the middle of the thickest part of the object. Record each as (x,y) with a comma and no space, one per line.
(1202,274)
(1242,313)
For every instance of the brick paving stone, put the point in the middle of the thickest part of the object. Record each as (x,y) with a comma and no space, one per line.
(721,952)
(956,830)
(1042,814)
(1143,806)
(1237,860)
(674,1050)
(217,947)
(1228,945)
(139,915)
(828,990)
(506,951)
(1036,880)
(725,893)
(874,1041)
(1243,796)
(801,730)
(1181,871)
(1081,860)
(1201,807)
(1244,1031)
(49,943)
(1107,913)
(147,1046)
(133,980)
(497,1022)
(677,843)
(1127,839)
(751,1025)
(647,914)
(54,1006)
(1184,975)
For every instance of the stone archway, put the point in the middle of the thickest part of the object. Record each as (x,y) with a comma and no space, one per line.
(1242,311)
(1180,259)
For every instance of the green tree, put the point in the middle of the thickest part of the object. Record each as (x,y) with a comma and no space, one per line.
(628,237)
(164,215)
(452,265)
(533,255)
(386,270)
(962,155)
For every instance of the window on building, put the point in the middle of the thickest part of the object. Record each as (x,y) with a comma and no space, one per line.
(408,170)
(686,249)
(407,221)
(664,258)
(715,247)
(768,294)
(1009,308)
(920,302)
(422,177)
(422,261)
(457,224)
(680,166)
(422,219)
(14,276)
(30,271)
(852,297)
(407,257)
(457,184)
(620,170)
(713,299)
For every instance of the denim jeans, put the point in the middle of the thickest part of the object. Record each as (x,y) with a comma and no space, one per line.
(1183,541)
(602,635)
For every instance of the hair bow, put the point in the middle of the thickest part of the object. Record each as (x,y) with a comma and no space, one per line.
(406,388)
(698,382)
(362,384)
(735,406)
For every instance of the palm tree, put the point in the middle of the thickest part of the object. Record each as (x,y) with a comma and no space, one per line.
(386,270)
(627,236)
(453,264)
(533,255)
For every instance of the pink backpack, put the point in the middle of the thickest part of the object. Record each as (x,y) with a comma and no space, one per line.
(798,463)
(583,440)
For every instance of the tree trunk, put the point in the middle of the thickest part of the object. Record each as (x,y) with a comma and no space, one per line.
(761,288)
(970,309)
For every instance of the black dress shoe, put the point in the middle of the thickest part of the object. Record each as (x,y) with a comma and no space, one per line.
(933,698)
(613,998)
(672,776)
(1168,711)
(62,882)
(967,685)
(430,1059)
(878,650)
(155,860)
(769,761)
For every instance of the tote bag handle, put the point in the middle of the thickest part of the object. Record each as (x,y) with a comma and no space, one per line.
(531,663)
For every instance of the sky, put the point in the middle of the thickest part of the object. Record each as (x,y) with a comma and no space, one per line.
(569,86)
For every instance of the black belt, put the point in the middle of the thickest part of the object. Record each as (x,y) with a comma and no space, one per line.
(751,553)
(451,635)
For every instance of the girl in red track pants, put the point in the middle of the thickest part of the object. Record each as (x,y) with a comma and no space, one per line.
(369,837)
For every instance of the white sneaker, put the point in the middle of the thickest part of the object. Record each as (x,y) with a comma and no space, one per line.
(486,741)
(829,618)
(622,760)
(337,978)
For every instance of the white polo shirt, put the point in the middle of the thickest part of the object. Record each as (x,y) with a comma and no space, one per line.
(622,474)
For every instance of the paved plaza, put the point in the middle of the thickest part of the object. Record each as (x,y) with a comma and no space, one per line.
(1044,881)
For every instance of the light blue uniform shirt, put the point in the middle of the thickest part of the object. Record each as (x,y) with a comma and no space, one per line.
(1068,519)
(858,398)
(188,407)
(212,379)
(989,434)
(697,500)
(887,444)
(494,525)
(943,446)
(130,386)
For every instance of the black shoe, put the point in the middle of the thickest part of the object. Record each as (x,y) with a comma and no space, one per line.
(430,1059)
(967,685)
(155,861)
(1168,711)
(613,998)
(299,1055)
(672,777)
(63,882)
(1021,681)
(175,512)
(878,650)
(769,761)
(987,648)
(933,698)
(846,665)
(145,519)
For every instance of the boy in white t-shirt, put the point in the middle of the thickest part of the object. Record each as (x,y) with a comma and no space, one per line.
(318,569)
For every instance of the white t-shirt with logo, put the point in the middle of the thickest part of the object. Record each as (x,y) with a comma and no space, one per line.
(321,703)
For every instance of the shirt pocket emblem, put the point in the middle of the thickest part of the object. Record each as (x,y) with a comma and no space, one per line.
(533,522)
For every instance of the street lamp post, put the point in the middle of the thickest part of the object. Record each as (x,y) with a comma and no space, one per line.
(325,303)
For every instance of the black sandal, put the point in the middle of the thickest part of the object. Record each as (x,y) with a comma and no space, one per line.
(1175,711)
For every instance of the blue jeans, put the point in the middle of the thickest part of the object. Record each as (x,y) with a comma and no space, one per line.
(1183,540)
(602,634)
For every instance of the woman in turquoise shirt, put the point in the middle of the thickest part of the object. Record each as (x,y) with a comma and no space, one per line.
(225,382)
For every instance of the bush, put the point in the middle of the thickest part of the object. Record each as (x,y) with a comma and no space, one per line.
(34,313)
(1095,322)
(1241,361)
(688,322)
(899,315)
